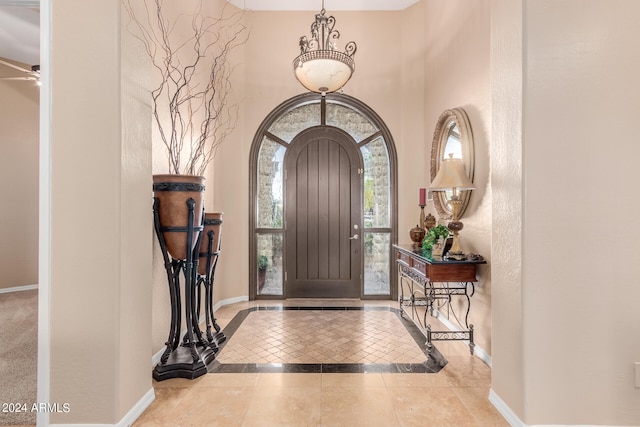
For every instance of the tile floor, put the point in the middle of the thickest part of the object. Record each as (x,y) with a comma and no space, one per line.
(293,336)
(456,396)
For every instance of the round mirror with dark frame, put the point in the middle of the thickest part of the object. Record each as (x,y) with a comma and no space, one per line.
(452,136)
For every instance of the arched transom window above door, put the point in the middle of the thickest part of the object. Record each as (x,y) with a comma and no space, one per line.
(323,201)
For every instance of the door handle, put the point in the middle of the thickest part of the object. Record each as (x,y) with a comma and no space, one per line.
(354,237)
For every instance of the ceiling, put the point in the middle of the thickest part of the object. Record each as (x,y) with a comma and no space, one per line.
(20,21)
(20,32)
(329,5)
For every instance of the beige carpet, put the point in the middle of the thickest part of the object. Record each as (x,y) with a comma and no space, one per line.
(18,356)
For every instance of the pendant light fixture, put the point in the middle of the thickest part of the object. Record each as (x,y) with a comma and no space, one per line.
(320,67)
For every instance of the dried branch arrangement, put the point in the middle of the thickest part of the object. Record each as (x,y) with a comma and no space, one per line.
(191,103)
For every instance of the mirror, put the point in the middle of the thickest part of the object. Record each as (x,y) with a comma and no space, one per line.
(452,136)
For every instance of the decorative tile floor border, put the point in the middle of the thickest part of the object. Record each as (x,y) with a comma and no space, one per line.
(434,362)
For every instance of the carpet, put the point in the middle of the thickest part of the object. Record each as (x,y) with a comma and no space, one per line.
(18,357)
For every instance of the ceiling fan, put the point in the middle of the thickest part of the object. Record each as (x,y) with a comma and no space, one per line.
(28,75)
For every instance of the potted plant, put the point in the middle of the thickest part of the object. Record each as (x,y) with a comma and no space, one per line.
(190,100)
(263,264)
(433,235)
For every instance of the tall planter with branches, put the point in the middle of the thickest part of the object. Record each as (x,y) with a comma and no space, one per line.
(193,114)
(191,100)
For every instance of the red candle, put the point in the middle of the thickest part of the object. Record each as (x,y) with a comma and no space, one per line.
(423,196)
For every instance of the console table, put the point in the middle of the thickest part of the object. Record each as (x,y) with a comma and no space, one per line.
(431,282)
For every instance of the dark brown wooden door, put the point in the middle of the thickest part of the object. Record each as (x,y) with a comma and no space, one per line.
(323,215)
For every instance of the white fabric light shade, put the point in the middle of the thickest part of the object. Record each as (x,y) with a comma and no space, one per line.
(323,71)
(451,175)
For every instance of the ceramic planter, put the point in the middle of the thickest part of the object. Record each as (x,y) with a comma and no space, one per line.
(173,193)
(213,223)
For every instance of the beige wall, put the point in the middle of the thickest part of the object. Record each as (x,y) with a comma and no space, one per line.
(580,175)
(412,139)
(100,238)
(134,306)
(19,172)
(507,198)
(575,297)
(457,75)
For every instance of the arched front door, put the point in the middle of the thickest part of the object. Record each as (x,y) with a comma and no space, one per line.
(320,166)
(323,211)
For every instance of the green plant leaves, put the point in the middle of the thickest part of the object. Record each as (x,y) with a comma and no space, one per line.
(433,235)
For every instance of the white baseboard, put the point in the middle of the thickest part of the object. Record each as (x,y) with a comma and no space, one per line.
(230,301)
(18,289)
(137,410)
(128,419)
(514,421)
(477,350)
(504,410)
(155,359)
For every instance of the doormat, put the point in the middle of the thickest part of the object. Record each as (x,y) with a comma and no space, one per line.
(324,340)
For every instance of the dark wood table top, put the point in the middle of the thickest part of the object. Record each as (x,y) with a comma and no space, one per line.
(425,256)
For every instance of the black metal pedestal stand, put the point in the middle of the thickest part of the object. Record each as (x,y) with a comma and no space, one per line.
(189,360)
(207,279)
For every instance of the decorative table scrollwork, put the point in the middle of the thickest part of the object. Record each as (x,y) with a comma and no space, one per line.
(431,283)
